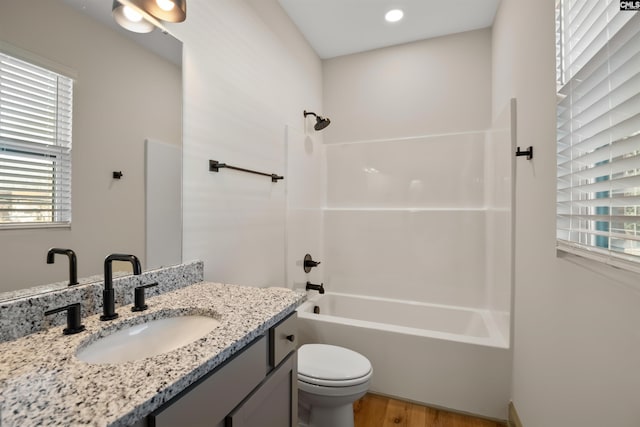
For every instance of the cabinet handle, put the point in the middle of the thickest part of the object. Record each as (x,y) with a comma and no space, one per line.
(291,338)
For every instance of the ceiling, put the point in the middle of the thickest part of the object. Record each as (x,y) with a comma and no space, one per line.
(342,27)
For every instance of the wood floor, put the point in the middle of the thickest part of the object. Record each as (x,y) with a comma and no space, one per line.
(379,411)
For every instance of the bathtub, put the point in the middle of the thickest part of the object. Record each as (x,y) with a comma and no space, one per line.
(444,356)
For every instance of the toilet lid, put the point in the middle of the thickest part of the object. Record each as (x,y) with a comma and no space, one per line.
(331,363)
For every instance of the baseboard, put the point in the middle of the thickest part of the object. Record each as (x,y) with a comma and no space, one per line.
(514,419)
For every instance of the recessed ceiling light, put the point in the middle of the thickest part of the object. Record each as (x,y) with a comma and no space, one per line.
(394,15)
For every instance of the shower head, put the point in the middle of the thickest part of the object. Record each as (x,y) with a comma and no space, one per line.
(321,122)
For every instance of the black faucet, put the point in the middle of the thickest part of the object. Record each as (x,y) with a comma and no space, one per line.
(108,295)
(319,288)
(73,262)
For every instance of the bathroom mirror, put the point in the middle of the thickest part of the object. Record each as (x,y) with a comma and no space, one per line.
(127,90)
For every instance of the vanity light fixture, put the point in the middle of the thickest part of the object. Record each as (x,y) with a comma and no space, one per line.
(394,15)
(165,10)
(140,16)
(130,19)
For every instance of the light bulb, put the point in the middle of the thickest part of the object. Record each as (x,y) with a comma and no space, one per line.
(165,5)
(131,14)
(394,15)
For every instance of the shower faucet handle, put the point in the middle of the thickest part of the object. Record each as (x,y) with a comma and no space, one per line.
(309,263)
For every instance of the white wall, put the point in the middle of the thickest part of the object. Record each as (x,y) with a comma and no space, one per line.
(577,344)
(434,86)
(248,76)
(117,105)
(305,195)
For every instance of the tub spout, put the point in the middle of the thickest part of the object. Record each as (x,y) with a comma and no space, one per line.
(319,288)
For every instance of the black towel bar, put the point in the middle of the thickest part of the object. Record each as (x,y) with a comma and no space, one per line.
(215,165)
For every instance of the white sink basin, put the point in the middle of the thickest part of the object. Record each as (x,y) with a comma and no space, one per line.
(147,339)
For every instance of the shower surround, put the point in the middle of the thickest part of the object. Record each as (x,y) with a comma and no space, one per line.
(422,219)
(426,221)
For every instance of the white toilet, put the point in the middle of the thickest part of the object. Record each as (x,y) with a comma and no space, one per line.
(330,379)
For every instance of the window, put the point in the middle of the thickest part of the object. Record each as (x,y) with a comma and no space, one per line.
(35,145)
(598,131)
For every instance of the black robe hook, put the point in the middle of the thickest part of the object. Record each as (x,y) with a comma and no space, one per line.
(528,152)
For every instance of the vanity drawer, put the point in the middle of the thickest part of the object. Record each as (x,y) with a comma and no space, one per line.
(283,339)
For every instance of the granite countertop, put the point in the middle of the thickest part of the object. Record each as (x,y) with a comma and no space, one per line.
(43,383)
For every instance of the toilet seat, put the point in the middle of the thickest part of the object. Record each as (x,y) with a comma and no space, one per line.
(331,366)
(341,391)
(330,383)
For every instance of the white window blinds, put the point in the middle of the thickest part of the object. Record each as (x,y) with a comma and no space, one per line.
(35,145)
(598,131)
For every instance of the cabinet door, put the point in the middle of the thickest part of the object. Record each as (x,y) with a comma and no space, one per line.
(210,400)
(274,403)
(282,339)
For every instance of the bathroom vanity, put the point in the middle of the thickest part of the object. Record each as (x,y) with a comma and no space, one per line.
(258,386)
(242,373)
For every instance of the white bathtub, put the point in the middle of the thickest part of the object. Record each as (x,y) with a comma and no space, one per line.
(452,357)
